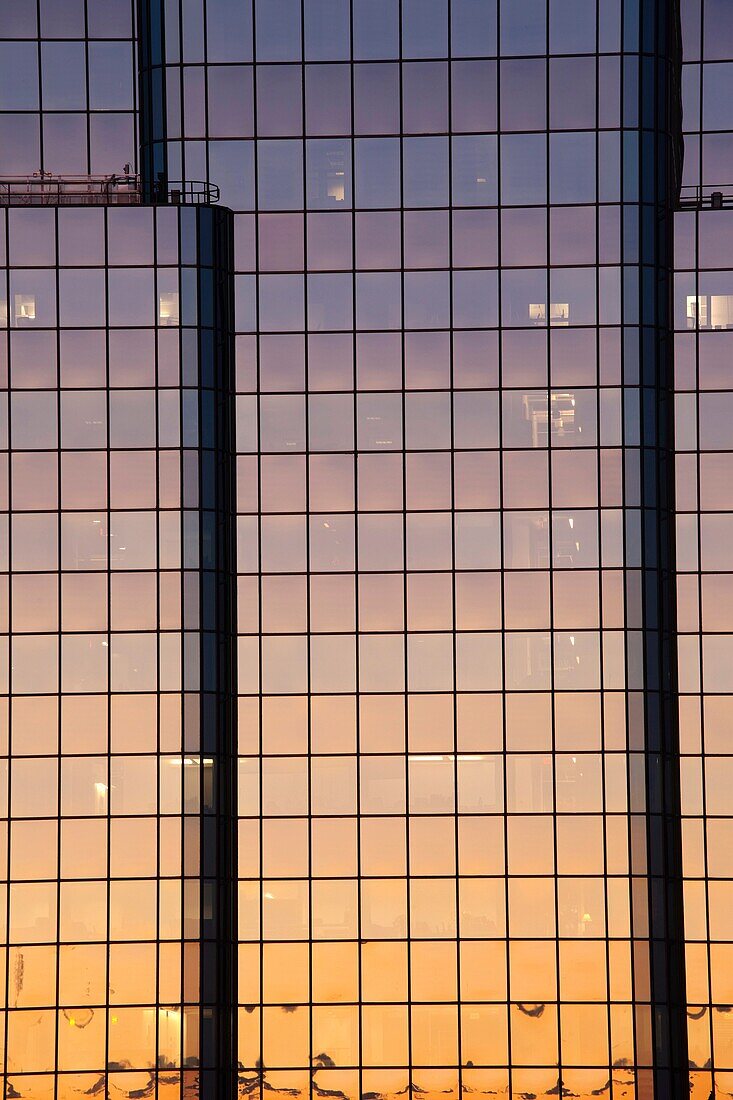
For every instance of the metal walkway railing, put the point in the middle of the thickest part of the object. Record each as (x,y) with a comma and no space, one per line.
(713,196)
(44,189)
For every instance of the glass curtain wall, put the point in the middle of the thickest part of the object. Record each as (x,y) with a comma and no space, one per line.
(115,692)
(457,847)
(68,87)
(455,793)
(704,240)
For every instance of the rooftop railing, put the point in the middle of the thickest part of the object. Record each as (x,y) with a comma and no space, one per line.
(44,189)
(710,196)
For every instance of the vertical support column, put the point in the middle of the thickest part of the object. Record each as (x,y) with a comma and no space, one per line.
(152,98)
(120,693)
(659,153)
(209,672)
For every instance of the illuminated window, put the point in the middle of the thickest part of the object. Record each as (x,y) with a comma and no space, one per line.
(697,311)
(329,174)
(336,186)
(25,307)
(560,414)
(565,542)
(710,311)
(168,308)
(559,313)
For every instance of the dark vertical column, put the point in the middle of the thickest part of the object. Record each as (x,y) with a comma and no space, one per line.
(207,369)
(224,640)
(152,113)
(659,179)
(209,594)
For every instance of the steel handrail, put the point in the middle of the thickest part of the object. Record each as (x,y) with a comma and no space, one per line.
(44,189)
(697,196)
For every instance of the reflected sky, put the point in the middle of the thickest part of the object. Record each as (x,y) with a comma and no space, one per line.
(442,796)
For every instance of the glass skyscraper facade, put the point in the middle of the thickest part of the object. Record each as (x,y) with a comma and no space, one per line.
(365,625)
(114,563)
(704,279)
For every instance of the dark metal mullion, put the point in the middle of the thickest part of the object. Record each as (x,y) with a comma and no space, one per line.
(181,92)
(701,87)
(181,651)
(551,571)
(209,1071)
(454,623)
(260,1067)
(673,926)
(357,621)
(441,209)
(5,276)
(308,607)
(701,685)
(602,630)
(226,617)
(87,115)
(436,58)
(627,456)
(340,136)
(659,1072)
(59,662)
(108,511)
(405,560)
(158,619)
(698,524)
(207,140)
(502,566)
(643,510)
(136,86)
(39,61)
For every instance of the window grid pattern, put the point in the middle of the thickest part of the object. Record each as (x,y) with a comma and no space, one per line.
(703,456)
(430,296)
(702,323)
(444,699)
(108,673)
(707,33)
(68,87)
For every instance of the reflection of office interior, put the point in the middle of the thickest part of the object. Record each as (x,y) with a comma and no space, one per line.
(24,308)
(557,414)
(567,657)
(531,660)
(565,543)
(331,176)
(168,313)
(559,313)
(537,551)
(335,180)
(710,311)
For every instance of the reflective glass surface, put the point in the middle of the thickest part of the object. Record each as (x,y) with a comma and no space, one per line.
(107,771)
(441,722)
(450,654)
(704,284)
(68,77)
